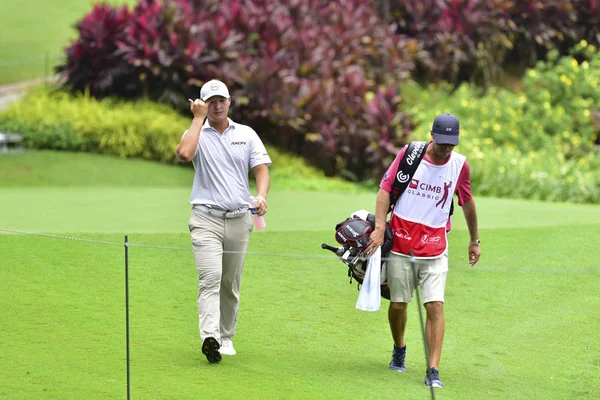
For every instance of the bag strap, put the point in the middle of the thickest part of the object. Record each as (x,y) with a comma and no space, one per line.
(406,169)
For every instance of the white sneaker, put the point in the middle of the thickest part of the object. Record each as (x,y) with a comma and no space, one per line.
(227,347)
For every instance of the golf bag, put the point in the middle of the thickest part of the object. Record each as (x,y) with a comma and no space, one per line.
(353,236)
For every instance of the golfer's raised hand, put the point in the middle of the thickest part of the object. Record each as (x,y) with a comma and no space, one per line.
(261,205)
(198,108)
(375,241)
(474,253)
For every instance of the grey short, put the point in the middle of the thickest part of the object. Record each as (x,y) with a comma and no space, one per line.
(432,274)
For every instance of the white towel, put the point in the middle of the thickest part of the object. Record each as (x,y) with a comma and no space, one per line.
(369,298)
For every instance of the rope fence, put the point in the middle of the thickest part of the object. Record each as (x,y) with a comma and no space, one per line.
(326,256)
(147,246)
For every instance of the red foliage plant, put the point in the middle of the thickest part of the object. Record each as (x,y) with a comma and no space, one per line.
(302,70)
(318,61)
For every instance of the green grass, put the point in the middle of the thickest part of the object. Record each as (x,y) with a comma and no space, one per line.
(522,324)
(32,29)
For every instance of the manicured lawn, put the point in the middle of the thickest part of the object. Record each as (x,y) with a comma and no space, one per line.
(31,30)
(522,324)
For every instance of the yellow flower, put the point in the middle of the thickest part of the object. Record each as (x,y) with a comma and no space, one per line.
(583,43)
(532,73)
(565,134)
(586,113)
(496,127)
(574,64)
(585,65)
(464,103)
(564,79)
(488,140)
(546,105)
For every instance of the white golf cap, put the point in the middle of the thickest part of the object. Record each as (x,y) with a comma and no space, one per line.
(213,88)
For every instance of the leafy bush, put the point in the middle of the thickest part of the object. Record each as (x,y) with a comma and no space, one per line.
(556,105)
(325,83)
(588,20)
(567,87)
(319,60)
(59,136)
(301,70)
(541,26)
(161,50)
(319,77)
(92,61)
(478,40)
(127,129)
(81,123)
(535,144)
(460,40)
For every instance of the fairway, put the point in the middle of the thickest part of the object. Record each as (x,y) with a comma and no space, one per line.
(522,324)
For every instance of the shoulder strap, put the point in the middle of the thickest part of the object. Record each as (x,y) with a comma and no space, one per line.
(406,169)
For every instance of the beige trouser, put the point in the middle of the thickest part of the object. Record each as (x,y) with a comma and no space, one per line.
(219,272)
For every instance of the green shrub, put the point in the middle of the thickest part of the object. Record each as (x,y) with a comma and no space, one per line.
(60,136)
(538,143)
(555,106)
(57,120)
(142,130)
(569,90)
(477,40)
(299,68)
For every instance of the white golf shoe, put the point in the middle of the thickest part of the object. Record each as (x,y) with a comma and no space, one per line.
(227,347)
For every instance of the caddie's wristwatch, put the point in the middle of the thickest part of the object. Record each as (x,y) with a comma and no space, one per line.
(475,242)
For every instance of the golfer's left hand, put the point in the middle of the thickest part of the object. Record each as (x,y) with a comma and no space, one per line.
(474,254)
(261,205)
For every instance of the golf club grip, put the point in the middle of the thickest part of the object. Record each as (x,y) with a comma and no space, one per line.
(336,250)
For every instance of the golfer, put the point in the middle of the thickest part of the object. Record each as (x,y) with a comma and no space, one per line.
(222,152)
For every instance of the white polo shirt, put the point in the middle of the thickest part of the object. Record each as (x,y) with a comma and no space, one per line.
(222,163)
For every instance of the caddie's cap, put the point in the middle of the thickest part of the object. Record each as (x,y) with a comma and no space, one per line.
(446,129)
